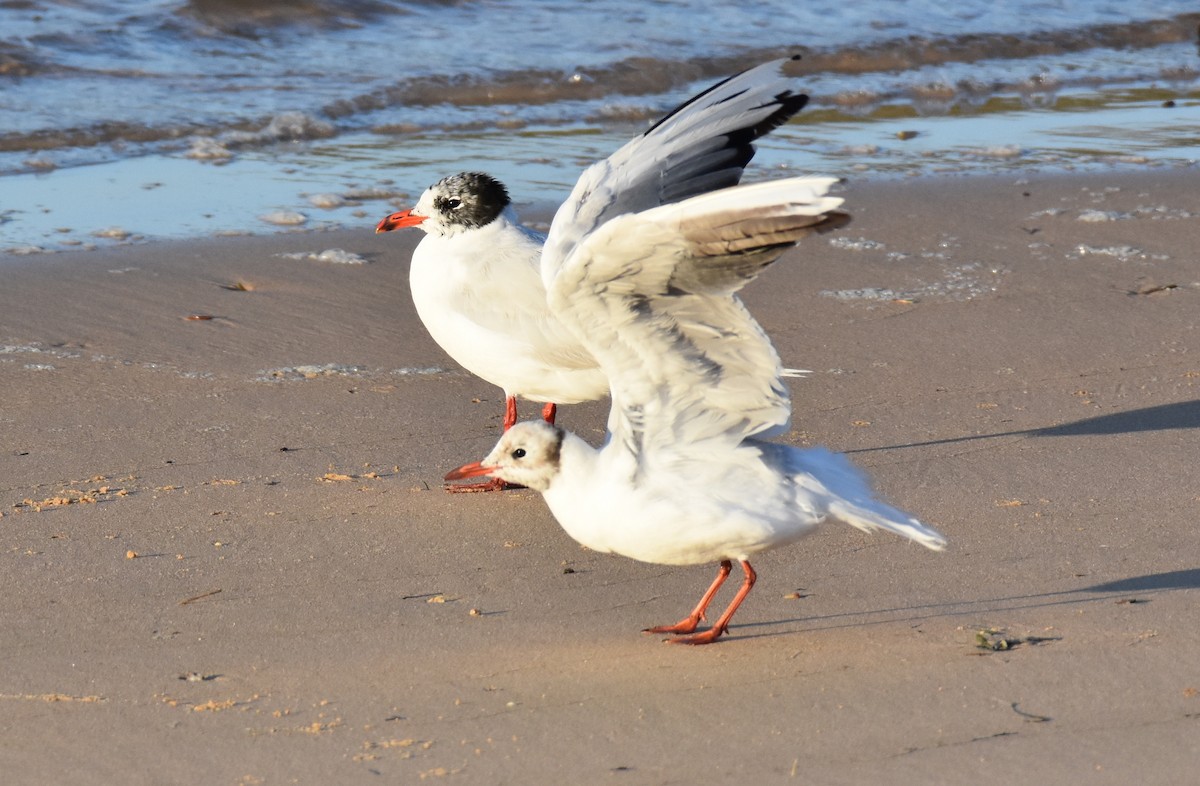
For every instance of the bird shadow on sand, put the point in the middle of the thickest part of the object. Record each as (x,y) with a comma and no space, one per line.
(1097,593)
(1181,415)
(1154,582)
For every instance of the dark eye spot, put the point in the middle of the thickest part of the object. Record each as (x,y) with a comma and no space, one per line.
(518,453)
(454,203)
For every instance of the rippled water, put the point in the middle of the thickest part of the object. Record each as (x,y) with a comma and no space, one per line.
(189,118)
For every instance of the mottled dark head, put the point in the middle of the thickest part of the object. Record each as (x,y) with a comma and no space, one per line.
(468,200)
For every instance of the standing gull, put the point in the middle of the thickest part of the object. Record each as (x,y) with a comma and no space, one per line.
(685,476)
(476,276)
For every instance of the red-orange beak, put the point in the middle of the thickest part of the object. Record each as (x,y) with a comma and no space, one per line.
(472,470)
(405,218)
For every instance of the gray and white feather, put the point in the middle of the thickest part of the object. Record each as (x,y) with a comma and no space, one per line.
(479,277)
(685,476)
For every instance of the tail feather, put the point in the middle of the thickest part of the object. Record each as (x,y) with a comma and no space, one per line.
(888,518)
(841,489)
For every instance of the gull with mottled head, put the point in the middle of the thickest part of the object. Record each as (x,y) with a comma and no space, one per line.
(476,276)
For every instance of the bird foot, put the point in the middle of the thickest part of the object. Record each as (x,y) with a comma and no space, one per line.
(685,625)
(492,484)
(707,637)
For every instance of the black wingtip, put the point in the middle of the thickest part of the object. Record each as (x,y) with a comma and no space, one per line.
(789,104)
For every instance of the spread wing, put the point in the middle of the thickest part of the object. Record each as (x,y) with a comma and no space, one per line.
(652,296)
(702,145)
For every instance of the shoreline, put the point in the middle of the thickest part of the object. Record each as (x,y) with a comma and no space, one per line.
(228,558)
(337,185)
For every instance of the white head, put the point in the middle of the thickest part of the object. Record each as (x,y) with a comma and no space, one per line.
(527,454)
(468,200)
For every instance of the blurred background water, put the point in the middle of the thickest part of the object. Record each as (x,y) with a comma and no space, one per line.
(122,121)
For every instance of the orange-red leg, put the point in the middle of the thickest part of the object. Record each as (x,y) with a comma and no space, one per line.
(548,412)
(688,624)
(510,412)
(722,624)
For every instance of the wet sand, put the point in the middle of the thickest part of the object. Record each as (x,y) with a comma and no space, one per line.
(227,557)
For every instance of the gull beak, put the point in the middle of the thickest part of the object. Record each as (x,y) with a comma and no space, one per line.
(472,470)
(405,218)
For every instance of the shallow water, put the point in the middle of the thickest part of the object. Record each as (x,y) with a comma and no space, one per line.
(196,118)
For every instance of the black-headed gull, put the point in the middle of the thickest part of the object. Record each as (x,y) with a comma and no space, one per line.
(475,276)
(684,476)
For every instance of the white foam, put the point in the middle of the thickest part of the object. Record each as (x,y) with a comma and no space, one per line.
(964,282)
(327,201)
(205,148)
(371,192)
(309,371)
(413,371)
(1162,212)
(114,233)
(1120,252)
(999,151)
(856,244)
(1100,216)
(288,218)
(336,256)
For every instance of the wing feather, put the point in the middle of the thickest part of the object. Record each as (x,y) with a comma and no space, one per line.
(653,296)
(702,145)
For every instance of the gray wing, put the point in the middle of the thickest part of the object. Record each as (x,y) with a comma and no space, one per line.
(702,145)
(652,296)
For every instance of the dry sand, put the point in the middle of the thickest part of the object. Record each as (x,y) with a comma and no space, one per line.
(220,570)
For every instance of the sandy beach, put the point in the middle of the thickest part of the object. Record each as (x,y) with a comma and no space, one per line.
(228,558)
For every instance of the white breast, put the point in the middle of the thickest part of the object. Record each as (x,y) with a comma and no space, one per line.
(481,298)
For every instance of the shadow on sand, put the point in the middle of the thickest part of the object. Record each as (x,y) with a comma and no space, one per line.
(1151,583)
(1182,415)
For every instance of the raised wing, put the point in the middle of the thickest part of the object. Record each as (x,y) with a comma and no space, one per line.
(702,145)
(652,296)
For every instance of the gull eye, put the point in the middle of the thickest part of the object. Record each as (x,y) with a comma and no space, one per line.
(519,453)
(454,203)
